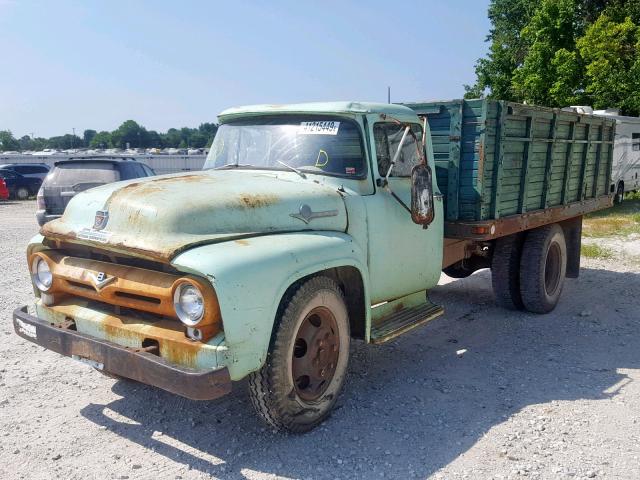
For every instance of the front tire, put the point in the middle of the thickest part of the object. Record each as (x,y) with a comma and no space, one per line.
(543,268)
(306,366)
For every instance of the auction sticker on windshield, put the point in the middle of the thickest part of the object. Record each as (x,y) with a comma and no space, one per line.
(319,128)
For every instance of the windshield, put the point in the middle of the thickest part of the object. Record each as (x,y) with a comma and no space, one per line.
(315,145)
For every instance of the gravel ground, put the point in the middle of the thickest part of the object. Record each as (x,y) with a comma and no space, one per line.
(554,396)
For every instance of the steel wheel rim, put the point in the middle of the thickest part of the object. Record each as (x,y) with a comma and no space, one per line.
(315,354)
(552,269)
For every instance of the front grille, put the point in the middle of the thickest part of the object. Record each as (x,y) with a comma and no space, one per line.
(120,285)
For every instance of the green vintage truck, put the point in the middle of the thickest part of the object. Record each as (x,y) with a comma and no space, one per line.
(309,226)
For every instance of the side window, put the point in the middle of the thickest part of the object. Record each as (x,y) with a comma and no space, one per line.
(387,137)
(635,142)
(148,171)
(129,171)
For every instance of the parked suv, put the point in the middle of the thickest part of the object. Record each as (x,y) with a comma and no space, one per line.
(29,170)
(77,174)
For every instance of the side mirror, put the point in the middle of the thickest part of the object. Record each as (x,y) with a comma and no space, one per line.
(422,211)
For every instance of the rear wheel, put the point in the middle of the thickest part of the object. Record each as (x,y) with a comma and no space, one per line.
(22,193)
(543,268)
(505,271)
(306,365)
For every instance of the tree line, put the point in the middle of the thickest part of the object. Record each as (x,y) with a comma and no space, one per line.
(129,134)
(563,52)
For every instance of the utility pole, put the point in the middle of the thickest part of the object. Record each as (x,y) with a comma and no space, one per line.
(388,94)
(73,137)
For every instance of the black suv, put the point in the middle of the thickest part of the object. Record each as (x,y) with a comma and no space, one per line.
(29,170)
(77,174)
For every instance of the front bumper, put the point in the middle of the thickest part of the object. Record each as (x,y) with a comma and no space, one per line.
(124,361)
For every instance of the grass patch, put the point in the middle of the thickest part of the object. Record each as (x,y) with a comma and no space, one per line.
(595,251)
(621,219)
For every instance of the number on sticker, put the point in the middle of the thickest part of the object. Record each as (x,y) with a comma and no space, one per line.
(319,128)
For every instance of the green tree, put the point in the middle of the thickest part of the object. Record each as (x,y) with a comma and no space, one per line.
(64,142)
(88,136)
(611,53)
(153,139)
(506,51)
(25,142)
(129,133)
(7,141)
(172,138)
(101,140)
(550,35)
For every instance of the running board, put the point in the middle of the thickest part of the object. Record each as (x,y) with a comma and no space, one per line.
(403,320)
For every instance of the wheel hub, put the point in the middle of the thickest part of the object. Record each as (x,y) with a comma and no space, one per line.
(315,354)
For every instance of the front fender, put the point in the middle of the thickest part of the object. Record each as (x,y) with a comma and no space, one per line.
(251,275)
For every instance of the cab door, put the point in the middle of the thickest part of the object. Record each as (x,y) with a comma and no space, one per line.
(403,257)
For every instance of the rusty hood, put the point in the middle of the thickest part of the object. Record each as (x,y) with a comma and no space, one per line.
(161,216)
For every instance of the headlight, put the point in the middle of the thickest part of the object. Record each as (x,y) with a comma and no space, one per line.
(41,274)
(189,304)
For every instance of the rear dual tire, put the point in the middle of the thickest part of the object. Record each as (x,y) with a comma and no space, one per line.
(543,267)
(528,270)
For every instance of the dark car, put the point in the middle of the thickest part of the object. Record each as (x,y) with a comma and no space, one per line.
(19,186)
(74,175)
(36,170)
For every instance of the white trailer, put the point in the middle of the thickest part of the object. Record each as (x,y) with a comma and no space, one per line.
(625,172)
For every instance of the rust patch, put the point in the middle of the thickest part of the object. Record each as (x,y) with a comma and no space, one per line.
(153,186)
(398,308)
(256,201)
(175,347)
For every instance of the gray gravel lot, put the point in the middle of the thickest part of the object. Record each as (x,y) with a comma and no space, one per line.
(554,396)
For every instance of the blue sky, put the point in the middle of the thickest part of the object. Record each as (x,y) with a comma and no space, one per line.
(168,64)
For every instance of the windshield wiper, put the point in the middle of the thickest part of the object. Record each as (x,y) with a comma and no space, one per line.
(293,169)
(231,165)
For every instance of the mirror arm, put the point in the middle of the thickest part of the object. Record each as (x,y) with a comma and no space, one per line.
(395,157)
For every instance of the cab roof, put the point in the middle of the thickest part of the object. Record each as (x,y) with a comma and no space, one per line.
(397,111)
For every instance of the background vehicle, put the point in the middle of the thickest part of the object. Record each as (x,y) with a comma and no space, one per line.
(311,225)
(19,186)
(36,170)
(625,173)
(4,191)
(75,175)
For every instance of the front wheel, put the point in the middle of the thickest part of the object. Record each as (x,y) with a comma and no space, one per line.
(306,366)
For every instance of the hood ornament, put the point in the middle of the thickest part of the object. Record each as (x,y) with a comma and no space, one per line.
(306,214)
(100,280)
(102,217)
